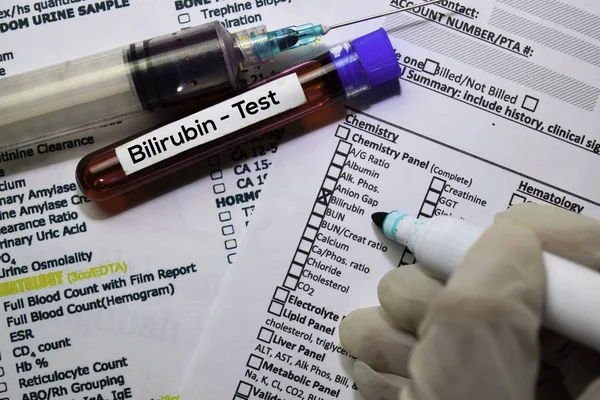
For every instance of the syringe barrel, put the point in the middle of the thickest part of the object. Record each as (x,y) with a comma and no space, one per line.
(197,66)
(65,98)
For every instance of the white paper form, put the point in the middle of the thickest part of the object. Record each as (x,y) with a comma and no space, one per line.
(312,254)
(108,301)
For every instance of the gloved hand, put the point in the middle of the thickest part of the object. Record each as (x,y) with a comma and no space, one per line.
(478,337)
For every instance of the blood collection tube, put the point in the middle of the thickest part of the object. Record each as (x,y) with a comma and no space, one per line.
(183,71)
(342,72)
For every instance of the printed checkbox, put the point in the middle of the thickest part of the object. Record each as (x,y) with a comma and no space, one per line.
(305,245)
(243,389)
(213,161)
(314,221)
(432,197)
(517,199)
(227,230)
(231,258)
(225,216)
(431,67)
(184,18)
(339,159)
(329,183)
(300,258)
(427,209)
(231,244)
(254,362)
(408,258)
(310,233)
(342,132)
(265,335)
(530,103)
(219,188)
(290,282)
(334,171)
(1,371)
(3,387)
(216,174)
(295,270)
(344,147)
(275,308)
(319,209)
(438,184)
(281,294)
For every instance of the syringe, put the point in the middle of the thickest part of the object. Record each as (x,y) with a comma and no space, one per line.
(260,46)
(177,74)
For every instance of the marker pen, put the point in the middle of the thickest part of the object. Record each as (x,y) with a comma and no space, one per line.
(440,243)
(342,72)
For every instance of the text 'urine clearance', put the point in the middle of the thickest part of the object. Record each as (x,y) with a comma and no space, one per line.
(241,111)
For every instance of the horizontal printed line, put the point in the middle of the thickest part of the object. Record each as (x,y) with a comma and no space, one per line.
(515,172)
(294,275)
(545,201)
(370,133)
(467,35)
(497,115)
(453,11)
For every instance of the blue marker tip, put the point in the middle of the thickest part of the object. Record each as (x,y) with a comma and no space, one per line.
(390,224)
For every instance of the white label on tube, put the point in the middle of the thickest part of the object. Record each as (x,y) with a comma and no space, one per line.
(212,123)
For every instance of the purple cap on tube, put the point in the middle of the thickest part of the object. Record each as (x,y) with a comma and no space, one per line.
(367,61)
(377,56)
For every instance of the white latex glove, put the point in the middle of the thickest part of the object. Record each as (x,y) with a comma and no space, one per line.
(479,336)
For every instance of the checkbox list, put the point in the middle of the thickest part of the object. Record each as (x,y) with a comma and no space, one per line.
(275,308)
(342,132)
(530,103)
(227,230)
(254,362)
(265,335)
(281,294)
(517,199)
(219,188)
(216,174)
(243,390)
(225,216)
(431,67)
(231,258)
(184,18)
